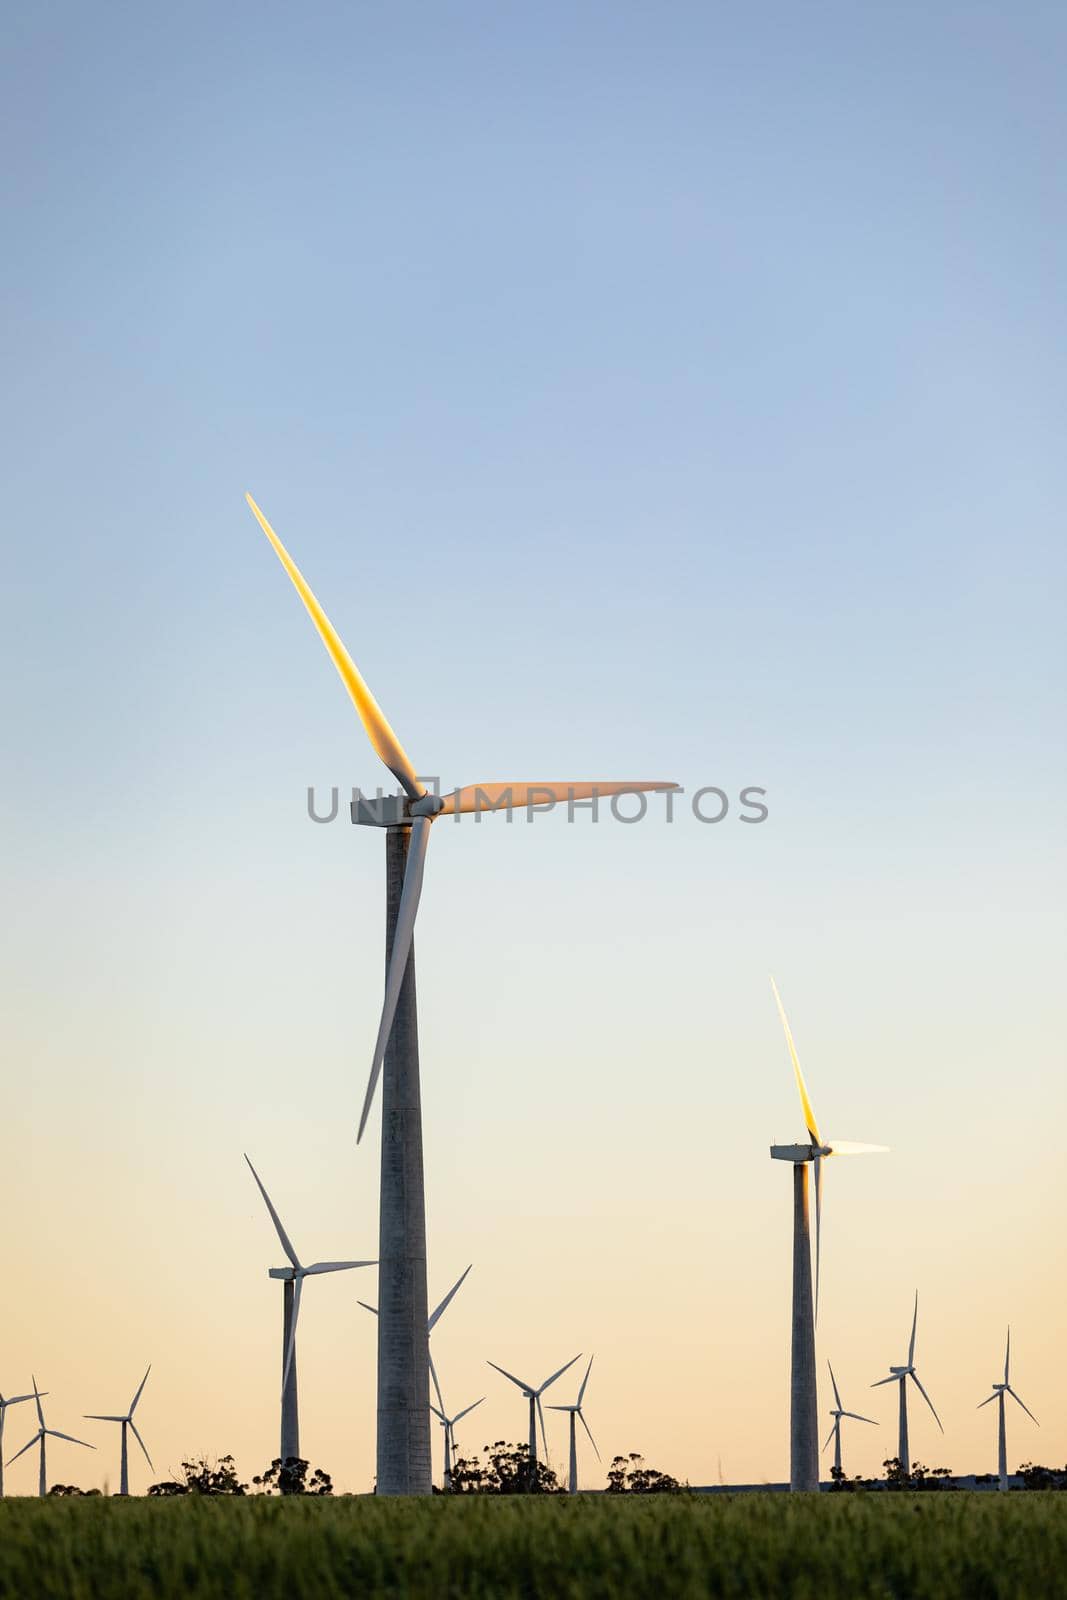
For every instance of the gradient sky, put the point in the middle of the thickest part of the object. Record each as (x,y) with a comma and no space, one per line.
(669,391)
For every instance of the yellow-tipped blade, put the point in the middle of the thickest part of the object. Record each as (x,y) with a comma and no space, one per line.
(848,1147)
(379,732)
(550,792)
(809,1115)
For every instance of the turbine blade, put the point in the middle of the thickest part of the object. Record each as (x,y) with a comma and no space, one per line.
(848,1147)
(892,1378)
(380,734)
(857,1418)
(275,1218)
(585,1380)
(141,1442)
(818,1229)
(398,956)
(560,1373)
(16,1399)
(829,1436)
(585,1425)
(541,1415)
(833,1380)
(290,1347)
(987,1402)
(336,1266)
(37,1397)
(1007,1358)
(54,1433)
(22,1452)
(95,1416)
(435,1316)
(914,1324)
(436,1384)
(438,1413)
(137,1396)
(372,1309)
(461,1414)
(517,796)
(926,1397)
(527,1388)
(1022,1403)
(809,1115)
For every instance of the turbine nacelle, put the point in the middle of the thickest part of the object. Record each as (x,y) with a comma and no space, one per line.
(285,1273)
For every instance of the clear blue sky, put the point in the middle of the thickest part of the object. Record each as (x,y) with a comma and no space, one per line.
(670,391)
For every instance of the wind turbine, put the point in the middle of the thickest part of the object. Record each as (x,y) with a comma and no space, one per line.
(901,1375)
(576,1414)
(803,1417)
(533,1394)
(292,1278)
(403,1450)
(127,1422)
(11,1400)
(835,1432)
(449,1425)
(39,1437)
(431,1322)
(999,1391)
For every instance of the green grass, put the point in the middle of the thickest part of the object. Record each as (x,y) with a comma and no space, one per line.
(978,1546)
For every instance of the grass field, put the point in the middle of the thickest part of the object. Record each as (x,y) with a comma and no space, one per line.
(982,1547)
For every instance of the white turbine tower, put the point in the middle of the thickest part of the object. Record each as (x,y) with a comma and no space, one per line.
(533,1394)
(10,1400)
(837,1413)
(403,1456)
(292,1278)
(449,1425)
(577,1415)
(127,1422)
(1000,1390)
(900,1375)
(803,1415)
(39,1437)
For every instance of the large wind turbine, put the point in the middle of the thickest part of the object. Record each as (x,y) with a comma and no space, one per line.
(533,1394)
(292,1278)
(449,1425)
(403,1458)
(39,1437)
(900,1375)
(835,1432)
(999,1392)
(127,1422)
(10,1400)
(803,1417)
(577,1415)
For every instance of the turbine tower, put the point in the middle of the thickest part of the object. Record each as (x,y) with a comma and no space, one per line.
(127,1422)
(803,1416)
(11,1400)
(835,1432)
(449,1425)
(39,1437)
(999,1392)
(292,1278)
(900,1375)
(403,1446)
(577,1415)
(533,1395)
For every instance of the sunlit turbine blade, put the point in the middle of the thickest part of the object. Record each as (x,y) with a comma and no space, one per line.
(833,1380)
(560,1373)
(298,1284)
(1007,1357)
(849,1147)
(527,1388)
(379,732)
(809,1115)
(914,1324)
(926,1397)
(54,1433)
(25,1447)
(517,796)
(541,1415)
(461,1414)
(398,956)
(829,1436)
(585,1380)
(986,1402)
(857,1418)
(585,1425)
(141,1442)
(1025,1407)
(446,1302)
(818,1229)
(336,1266)
(275,1218)
(140,1387)
(434,1381)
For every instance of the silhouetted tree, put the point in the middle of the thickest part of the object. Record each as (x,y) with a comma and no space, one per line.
(291,1477)
(1036,1477)
(507,1470)
(64,1489)
(629,1475)
(920,1477)
(200,1478)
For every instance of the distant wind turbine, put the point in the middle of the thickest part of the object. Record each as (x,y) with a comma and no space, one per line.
(127,1422)
(999,1391)
(10,1400)
(403,1447)
(533,1395)
(803,1415)
(39,1437)
(449,1425)
(292,1278)
(901,1375)
(837,1413)
(577,1415)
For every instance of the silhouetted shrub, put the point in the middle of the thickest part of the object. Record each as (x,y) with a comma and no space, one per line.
(291,1477)
(1036,1477)
(629,1475)
(200,1478)
(507,1470)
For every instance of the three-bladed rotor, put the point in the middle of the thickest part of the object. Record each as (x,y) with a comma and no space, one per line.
(576,1408)
(127,1419)
(902,1374)
(1001,1389)
(43,1431)
(533,1392)
(837,1411)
